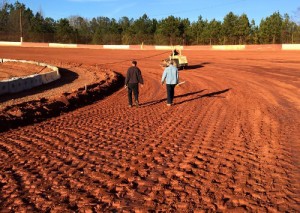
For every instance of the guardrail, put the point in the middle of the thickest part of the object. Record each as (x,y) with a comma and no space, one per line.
(158,47)
(291,46)
(18,84)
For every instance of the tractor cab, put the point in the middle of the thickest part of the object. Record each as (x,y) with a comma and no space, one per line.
(179,59)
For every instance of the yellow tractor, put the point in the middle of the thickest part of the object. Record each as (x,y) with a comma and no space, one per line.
(179,59)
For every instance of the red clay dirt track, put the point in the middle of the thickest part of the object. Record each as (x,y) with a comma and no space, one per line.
(229,143)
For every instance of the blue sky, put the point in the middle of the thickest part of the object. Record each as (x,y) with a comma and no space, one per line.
(159,9)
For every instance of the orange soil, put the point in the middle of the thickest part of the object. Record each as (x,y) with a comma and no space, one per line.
(16,69)
(230,142)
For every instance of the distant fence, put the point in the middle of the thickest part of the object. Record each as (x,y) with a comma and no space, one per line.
(291,46)
(18,84)
(158,47)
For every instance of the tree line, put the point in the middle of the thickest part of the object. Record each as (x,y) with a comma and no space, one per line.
(16,21)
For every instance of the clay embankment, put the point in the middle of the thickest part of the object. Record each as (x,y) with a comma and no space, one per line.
(47,101)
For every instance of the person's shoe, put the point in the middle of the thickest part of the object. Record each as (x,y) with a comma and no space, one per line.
(129,106)
(169,105)
(136,103)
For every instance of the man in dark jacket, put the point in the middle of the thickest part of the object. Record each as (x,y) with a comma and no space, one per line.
(132,80)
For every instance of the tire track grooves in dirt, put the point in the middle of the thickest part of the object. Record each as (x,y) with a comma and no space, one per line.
(59,173)
(52,139)
(264,134)
(261,135)
(138,169)
(162,154)
(274,147)
(193,127)
(208,157)
(285,168)
(214,150)
(75,169)
(29,176)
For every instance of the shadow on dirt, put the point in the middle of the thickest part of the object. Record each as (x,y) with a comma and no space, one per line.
(212,94)
(162,100)
(209,95)
(67,77)
(196,66)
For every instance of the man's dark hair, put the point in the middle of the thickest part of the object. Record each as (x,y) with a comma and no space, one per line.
(134,62)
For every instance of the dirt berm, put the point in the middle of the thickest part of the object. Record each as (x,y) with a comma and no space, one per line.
(33,111)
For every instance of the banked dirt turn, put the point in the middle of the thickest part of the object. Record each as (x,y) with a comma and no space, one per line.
(230,142)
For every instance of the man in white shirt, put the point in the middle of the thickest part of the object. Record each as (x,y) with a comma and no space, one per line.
(170,76)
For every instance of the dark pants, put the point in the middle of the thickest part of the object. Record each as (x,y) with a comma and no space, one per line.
(170,93)
(135,89)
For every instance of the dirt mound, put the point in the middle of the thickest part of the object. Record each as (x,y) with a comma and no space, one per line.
(37,110)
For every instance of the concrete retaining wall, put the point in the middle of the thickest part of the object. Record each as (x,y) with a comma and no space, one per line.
(198,47)
(8,43)
(3,87)
(8,60)
(147,47)
(157,47)
(136,47)
(49,77)
(89,46)
(117,47)
(264,47)
(34,44)
(32,81)
(291,47)
(57,45)
(228,47)
(15,85)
